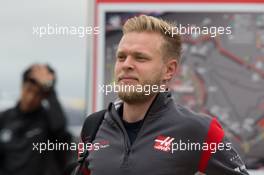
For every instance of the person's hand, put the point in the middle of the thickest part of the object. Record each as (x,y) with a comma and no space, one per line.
(42,75)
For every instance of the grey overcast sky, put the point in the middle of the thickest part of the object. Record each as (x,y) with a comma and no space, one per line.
(19,47)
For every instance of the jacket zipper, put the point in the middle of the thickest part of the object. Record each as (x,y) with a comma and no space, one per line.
(127,144)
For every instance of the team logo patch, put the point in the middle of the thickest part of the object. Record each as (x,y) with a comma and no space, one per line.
(163,143)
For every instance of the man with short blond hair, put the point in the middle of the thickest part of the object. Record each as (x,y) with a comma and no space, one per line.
(148,133)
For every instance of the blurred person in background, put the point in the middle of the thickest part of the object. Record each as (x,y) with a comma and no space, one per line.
(37,118)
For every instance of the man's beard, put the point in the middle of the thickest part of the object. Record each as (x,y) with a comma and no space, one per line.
(135,97)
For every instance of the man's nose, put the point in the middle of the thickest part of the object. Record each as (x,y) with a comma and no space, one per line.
(129,63)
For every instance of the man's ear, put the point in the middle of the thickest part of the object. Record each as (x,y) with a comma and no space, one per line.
(171,69)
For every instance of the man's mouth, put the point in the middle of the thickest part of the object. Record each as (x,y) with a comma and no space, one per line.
(127,79)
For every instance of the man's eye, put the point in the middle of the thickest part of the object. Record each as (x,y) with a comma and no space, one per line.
(139,58)
(121,57)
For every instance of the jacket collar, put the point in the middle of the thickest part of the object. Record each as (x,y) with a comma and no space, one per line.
(161,101)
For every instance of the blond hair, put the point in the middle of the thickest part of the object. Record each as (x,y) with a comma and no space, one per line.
(171,48)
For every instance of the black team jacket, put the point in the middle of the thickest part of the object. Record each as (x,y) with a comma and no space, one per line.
(171,141)
(19,132)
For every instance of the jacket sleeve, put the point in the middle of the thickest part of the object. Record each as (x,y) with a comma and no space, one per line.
(226,162)
(57,119)
(56,116)
(57,128)
(221,158)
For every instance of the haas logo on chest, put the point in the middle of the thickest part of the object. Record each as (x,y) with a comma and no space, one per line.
(163,143)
